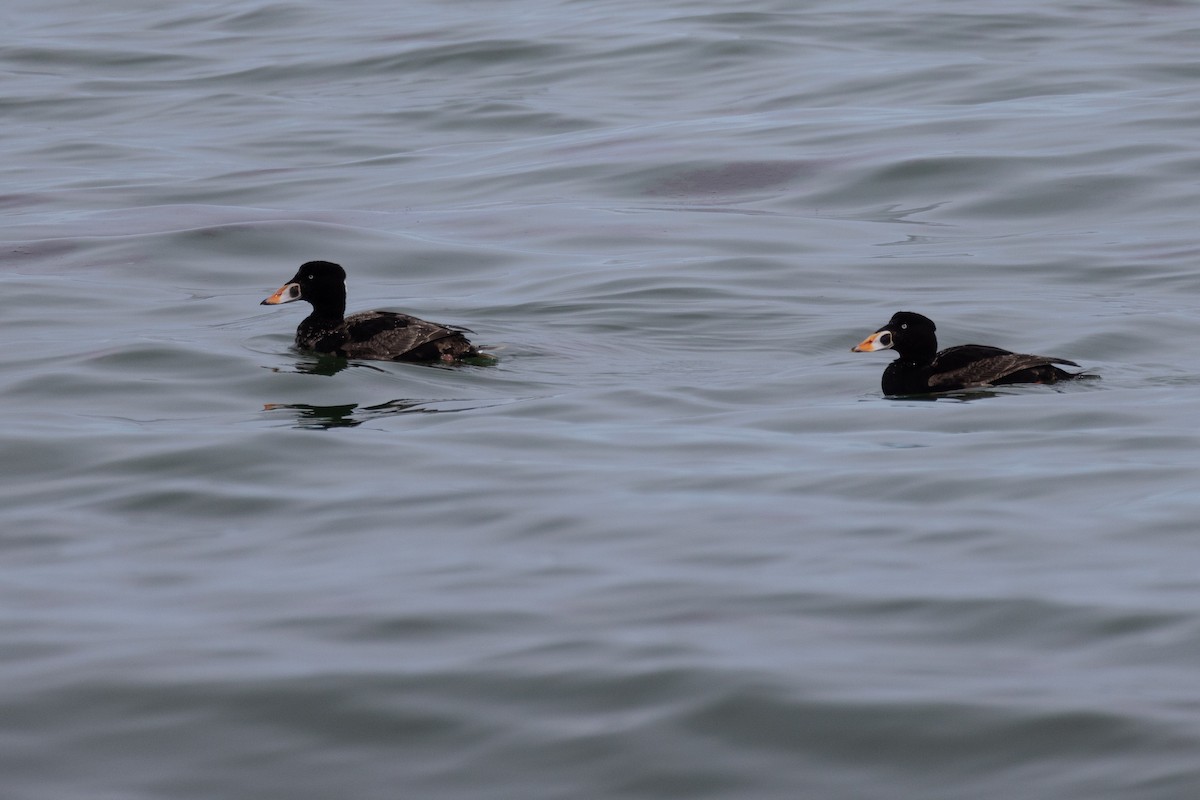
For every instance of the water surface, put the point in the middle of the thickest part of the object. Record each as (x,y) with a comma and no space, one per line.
(675,543)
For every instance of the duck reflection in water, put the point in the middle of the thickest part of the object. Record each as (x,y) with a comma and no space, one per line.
(348,415)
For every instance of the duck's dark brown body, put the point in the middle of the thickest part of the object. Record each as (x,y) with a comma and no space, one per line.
(384,336)
(377,335)
(922,369)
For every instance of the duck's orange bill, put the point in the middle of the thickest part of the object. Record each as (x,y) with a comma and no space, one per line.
(868,344)
(286,294)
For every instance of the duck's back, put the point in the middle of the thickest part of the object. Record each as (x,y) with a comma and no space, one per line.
(971,365)
(391,336)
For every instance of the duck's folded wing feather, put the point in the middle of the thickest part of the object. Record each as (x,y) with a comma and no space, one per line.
(389,332)
(978,365)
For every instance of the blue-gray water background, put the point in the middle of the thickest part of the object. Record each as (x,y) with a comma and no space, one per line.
(676,544)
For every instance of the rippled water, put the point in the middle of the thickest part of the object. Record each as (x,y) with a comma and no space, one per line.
(676,543)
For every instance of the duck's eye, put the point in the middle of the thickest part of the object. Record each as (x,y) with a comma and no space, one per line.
(310,277)
(903,326)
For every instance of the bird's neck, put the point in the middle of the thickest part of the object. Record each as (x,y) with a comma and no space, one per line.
(328,311)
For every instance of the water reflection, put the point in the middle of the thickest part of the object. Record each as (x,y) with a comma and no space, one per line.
(981,393)
(325,365)
(964,395)
(328,365)
(350,415)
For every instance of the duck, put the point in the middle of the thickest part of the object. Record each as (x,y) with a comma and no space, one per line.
(921,369)
(372,335)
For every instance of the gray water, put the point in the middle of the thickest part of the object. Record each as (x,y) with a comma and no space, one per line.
(675,544)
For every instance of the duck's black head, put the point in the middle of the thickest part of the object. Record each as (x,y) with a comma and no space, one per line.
(321,283)
(908,333)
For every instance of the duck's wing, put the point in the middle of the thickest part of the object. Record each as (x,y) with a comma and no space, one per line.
(971,365)
(388,334)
